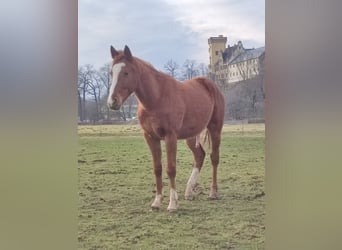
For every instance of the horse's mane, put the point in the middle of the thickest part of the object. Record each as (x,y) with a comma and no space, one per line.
(148,65)
(145,63)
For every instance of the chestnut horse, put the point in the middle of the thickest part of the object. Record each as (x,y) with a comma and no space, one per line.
(170,110)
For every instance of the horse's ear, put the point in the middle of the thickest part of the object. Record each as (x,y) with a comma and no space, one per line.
(128,53)
(113,51)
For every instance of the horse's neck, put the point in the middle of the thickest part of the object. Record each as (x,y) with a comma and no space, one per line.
(149,90)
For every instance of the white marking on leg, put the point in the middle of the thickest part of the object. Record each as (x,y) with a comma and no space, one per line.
(173,205)
(157,201)
(116,71)
(202,139)
(198,140)
(191,184)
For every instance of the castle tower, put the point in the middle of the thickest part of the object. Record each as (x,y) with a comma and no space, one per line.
(217,45)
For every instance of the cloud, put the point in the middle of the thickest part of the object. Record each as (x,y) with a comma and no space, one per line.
(146,26)
(157,31)
(239,20)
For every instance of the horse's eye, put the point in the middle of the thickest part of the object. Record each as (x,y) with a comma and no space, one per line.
(126,73)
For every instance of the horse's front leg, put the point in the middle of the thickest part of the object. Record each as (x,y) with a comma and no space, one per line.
(154,145)
(171,150)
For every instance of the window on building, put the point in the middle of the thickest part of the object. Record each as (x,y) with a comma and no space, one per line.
(216,52)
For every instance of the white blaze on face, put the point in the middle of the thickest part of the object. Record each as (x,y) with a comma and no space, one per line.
(116,71)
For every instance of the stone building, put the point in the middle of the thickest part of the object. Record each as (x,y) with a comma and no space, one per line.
(233,63)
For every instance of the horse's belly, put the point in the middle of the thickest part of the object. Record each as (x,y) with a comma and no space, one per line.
(189,132)
(194,124)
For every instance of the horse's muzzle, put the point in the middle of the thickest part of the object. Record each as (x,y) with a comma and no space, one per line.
(115,105)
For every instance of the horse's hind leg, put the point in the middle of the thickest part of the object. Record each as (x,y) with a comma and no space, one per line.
(215,136)
(199,155)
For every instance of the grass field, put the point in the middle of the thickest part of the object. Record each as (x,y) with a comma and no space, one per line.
(116,188)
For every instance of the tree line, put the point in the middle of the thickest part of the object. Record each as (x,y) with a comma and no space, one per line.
(244,100)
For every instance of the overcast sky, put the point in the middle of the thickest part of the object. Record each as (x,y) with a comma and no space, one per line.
(159,30)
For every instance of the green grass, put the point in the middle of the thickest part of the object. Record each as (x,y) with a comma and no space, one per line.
(116,188)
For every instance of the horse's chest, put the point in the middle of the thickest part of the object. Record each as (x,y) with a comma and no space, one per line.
(158,125)
(155,129)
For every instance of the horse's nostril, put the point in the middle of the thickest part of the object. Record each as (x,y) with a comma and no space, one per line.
(114,104)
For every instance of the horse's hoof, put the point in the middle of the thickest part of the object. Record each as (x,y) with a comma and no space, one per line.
(155,208)
(173,207)
(189,193)
(157,202)
(171,210)
(213,196)
(189,197)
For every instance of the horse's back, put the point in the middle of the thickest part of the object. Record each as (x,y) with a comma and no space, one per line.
(211,89)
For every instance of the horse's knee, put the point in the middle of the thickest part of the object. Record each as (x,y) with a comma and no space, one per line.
(171,171)
(214,158)
(158,170)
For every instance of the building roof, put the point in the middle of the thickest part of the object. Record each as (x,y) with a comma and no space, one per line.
(248,54)
(218,39)
(232,52)
(228,53)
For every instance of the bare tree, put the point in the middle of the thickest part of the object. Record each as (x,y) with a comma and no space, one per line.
(131,102)
(84,78)
(203,69)
(171,68)
(80,88)
(95,90)
(190,69)
(252,87)
(243,70)
(104,76)
(261,67)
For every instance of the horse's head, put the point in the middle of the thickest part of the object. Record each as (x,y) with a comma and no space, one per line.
(124,77)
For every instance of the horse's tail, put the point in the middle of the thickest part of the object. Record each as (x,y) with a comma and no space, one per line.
(203,139)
